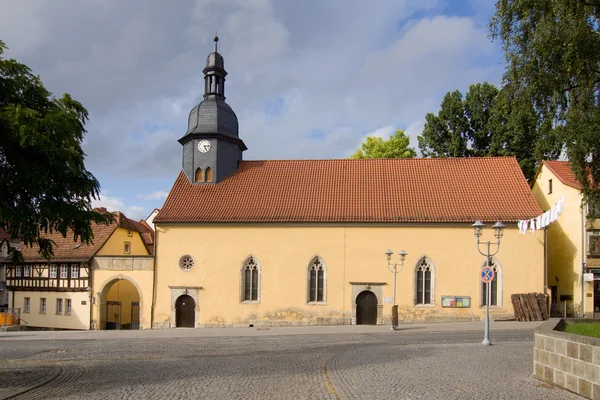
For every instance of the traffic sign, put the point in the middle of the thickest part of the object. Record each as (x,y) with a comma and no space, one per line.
(487,274)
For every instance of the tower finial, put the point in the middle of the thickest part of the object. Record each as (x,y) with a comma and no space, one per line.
(216,39)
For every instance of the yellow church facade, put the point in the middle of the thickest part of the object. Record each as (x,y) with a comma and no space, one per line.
(301,242)
(352,257)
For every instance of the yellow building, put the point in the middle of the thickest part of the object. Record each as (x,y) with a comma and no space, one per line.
(298,242)
(105,285)
(573,243)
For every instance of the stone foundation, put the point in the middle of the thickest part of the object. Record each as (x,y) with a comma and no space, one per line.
(567,360)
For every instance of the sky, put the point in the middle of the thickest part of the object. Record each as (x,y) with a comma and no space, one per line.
(307,79)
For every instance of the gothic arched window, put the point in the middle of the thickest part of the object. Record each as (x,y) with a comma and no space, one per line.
(316,280)
(424,281)
(208,175)
(495,286)
(250,280)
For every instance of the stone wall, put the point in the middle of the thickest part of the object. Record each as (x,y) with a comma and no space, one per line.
(567,360)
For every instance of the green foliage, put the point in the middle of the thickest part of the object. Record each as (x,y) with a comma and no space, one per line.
(395,147)
(45,186)
(488,122)
(552,51)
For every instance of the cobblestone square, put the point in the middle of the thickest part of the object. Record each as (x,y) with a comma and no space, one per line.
(376,365)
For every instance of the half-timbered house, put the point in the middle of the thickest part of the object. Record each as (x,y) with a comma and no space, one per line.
(95,286)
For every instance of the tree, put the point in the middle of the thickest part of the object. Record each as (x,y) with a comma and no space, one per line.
(395,147)
(488,122)
(45,186)
(552,51)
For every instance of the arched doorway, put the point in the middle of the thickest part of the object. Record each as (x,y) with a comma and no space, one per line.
(366,308)
(120,306)
(185,316)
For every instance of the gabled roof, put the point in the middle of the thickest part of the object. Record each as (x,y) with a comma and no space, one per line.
(374,190)
(564,172)
(66,249)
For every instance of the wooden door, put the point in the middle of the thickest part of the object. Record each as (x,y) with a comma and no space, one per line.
(366,308)
(113,315)
(185,315)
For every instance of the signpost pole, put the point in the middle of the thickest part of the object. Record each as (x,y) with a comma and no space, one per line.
(486,338)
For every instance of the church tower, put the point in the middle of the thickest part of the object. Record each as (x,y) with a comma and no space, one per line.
(212,150)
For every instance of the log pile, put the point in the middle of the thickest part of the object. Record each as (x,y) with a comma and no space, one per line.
(530,306)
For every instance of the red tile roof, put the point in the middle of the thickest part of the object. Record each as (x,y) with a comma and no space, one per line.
(66,249)
(373,190)
(564,172)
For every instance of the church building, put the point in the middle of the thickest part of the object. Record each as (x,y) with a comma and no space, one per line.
(304,242)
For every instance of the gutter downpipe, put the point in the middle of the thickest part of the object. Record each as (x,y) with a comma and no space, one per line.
(154,277)
(583,256)
(546,262)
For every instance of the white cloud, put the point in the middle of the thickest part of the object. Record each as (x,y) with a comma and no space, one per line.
(115,204)
(342,68)
(157,195)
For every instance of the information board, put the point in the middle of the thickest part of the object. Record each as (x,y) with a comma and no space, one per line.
(456,301)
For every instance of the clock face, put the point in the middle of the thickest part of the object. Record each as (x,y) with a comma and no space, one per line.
(204,146)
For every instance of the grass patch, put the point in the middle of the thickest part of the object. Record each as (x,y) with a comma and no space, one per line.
(584,328)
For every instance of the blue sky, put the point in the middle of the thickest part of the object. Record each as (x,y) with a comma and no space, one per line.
(307,79)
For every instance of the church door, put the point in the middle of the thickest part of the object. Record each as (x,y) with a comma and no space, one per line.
(185,314)
(366,308)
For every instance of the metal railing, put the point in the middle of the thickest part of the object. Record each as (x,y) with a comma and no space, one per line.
(10,316)
(565,309)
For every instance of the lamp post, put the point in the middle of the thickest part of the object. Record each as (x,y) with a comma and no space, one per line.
(498,232)
(394,268)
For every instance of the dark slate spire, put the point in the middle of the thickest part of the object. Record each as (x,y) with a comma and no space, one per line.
(212,149)
(214,74)
(213,115)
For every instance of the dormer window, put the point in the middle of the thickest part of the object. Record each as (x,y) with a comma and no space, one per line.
(208,175)
(198,176)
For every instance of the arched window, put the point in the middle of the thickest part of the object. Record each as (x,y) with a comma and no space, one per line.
(250,280)
(316,280)
(208,175)
(424,278)
(198,175)
(495,286)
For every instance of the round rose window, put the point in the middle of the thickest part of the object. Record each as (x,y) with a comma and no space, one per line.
(186,263)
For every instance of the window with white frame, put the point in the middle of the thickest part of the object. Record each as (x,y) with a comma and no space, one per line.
(19,271)
(64,271)
(316,281)
(250,280)
(67,306)
(26,271)
(424,281)
(495,294)
(43,305)
(27,305)
(74,270)
(53,271)
(59,306)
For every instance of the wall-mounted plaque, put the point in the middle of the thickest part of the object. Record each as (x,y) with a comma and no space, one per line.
(456,301)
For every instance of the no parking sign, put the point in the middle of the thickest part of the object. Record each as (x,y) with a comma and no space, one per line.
(487,274)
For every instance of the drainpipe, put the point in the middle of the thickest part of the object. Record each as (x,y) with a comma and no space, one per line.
(583,256)
(91,289)
(154,277)
(546,261)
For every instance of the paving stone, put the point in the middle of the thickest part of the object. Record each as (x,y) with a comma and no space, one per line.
(330,366)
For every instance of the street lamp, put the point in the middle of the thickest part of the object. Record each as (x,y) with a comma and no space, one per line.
(393,268)
(498,228)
